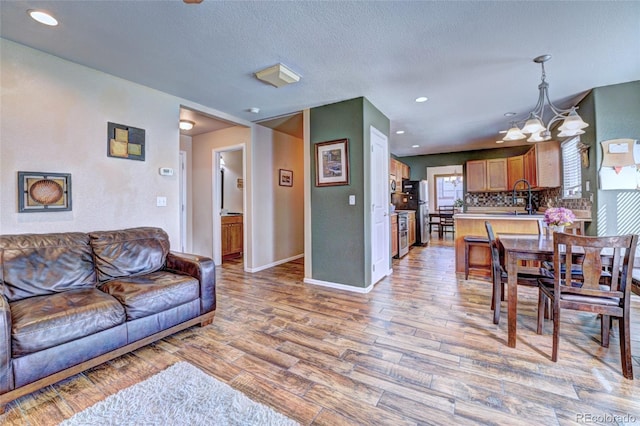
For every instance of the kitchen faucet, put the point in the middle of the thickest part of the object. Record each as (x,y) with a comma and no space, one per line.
(529,207)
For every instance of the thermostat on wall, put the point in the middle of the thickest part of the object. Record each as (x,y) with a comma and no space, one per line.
(166,171)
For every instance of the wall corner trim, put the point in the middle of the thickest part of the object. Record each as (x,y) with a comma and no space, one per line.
(272,264)
(338,286)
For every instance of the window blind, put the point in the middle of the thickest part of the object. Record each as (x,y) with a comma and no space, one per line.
(571,169)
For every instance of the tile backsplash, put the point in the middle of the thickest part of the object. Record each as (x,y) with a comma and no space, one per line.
(541,198)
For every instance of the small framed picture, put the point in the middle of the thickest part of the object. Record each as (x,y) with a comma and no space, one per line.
(125,142)
(286,177)
(332,163)
(44,192)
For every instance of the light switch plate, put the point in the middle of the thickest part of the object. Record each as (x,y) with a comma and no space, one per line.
(352,200)
(161,201)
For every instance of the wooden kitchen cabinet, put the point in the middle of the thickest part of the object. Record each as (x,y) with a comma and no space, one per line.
(394,235)
(232,236)
(476,175)
(406,171)
(487,175)
(411,223)
(530,168)
(515,171)
(398,171)
(547,164)
(497,174)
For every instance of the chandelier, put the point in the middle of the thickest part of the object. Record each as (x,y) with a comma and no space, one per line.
(534,126)
(454,180)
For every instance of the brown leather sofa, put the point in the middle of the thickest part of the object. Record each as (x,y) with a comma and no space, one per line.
(71,301)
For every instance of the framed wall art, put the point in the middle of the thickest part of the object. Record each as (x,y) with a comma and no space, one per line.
(44,192)
(125,142)
(332,163)
(286,177)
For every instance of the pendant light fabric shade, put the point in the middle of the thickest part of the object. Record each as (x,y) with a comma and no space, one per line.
(572,123)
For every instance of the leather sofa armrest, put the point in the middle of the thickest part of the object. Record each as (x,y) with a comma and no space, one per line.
(5,346)
(201,268)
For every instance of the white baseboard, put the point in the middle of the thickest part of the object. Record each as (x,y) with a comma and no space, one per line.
(338,286)
(271,265)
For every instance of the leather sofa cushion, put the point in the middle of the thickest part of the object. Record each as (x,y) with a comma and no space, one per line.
(39,264)
(42,322)
(128,252)
(149,294)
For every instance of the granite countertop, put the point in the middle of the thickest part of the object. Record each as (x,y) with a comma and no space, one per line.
(507,216)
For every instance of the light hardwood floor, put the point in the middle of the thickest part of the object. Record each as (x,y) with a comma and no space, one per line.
(420,348)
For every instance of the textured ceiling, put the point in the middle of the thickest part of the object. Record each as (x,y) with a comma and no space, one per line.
(473,59)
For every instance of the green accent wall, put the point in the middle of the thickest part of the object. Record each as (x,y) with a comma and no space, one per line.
(612,112)
(339,231)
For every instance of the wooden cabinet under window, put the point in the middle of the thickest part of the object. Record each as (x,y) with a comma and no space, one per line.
(232,236)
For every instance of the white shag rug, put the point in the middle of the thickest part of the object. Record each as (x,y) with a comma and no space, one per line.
(180,395)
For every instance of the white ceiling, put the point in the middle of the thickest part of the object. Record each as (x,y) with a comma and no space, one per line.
(473,59)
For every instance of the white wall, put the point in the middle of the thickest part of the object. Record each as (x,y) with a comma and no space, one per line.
(54,116)
(202,166)
(279,210)
(233,170)
(54,119)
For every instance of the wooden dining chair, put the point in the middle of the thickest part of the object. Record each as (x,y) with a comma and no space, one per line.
(446,220)
(499,275)
(603,288)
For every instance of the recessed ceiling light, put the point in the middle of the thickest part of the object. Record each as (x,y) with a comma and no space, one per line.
(399,132)
(422,99)
(509,114)
(254,110)
(43,17)
(415,146)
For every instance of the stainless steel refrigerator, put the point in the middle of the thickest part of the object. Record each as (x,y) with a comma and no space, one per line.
(414,197)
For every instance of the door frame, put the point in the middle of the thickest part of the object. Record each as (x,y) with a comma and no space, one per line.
(182,176)
(216,198)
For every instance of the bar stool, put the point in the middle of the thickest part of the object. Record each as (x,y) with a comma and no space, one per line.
(472,240)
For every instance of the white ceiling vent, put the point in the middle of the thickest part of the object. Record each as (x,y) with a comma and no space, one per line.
(278,75)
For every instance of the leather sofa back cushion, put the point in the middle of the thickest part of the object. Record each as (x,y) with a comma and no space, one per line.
(40,264)
(128,252)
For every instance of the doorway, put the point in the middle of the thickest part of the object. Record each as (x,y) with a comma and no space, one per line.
(208,134)
(229,205)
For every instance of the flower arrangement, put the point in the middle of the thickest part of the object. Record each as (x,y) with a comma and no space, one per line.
(559,216)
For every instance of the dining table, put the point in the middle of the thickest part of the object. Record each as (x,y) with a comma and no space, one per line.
(519,247)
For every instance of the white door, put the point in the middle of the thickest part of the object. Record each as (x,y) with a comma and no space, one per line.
(380,247)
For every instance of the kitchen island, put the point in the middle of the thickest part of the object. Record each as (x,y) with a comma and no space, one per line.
(502,223)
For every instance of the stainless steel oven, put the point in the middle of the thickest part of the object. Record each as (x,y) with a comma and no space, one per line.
(403,234)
